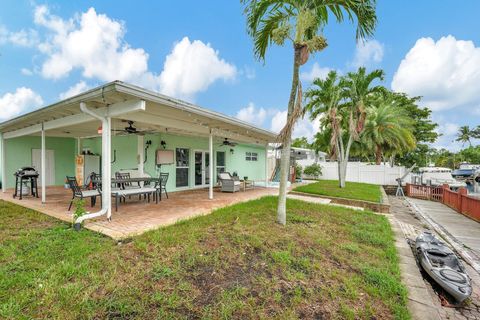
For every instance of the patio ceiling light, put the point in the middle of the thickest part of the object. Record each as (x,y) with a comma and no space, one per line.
(99,130)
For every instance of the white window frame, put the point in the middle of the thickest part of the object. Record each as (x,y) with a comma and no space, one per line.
(224,159)
(251,156)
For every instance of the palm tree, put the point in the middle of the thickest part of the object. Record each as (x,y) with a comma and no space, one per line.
(324,99)
(464,135)
(387,130)
(475,133)
(357,89)
(301,23)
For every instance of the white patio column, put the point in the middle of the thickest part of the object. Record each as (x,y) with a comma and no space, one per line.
(140,152)
(42,164)
(79,146)
(3,160)
(211,165)
(107,166)
(266,165)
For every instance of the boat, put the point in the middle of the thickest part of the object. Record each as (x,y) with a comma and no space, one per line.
(466,171)
(437,176)
(463,173)
(443,266)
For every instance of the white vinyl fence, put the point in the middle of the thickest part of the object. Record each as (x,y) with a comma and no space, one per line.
(363,172)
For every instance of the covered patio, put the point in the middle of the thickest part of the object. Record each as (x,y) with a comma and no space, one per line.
(135,217)
(202,143)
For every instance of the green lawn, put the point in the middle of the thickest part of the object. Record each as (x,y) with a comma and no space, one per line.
(352,190)
(328,262)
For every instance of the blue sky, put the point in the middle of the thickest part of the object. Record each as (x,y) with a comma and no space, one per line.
(201,53)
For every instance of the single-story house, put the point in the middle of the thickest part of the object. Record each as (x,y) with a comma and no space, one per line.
(124,126)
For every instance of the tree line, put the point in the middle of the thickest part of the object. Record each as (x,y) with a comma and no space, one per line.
(361,119)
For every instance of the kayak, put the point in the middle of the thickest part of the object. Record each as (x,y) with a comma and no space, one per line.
(441,263)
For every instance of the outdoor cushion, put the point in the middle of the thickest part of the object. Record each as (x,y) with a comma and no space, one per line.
(225,176)
(90,193)
(236,183)
(134,191)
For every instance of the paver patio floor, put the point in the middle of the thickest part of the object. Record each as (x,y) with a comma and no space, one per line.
(135,217)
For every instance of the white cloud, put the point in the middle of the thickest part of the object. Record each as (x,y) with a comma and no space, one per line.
(22,100)
(22,38)
(368,53)
(448,131)
(446,73)
(315,72)
(77,88)
(303,128)
(192,67)
(252,114)
(92,43)
(26,72)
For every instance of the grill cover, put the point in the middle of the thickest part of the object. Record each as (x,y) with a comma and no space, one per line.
(27,172)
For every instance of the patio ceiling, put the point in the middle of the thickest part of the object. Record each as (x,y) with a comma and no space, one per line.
(159,113)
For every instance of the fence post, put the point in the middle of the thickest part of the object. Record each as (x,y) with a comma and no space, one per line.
(461,191)
(407,189)
(445,187)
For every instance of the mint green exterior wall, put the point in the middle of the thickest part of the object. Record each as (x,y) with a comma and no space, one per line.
(234,162)
(19,154)
(126,150)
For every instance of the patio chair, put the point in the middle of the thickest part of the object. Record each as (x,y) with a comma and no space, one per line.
(78,192)
(162,185)
(229,183)
(125,185)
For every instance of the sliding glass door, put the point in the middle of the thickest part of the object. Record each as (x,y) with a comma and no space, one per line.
(202,168)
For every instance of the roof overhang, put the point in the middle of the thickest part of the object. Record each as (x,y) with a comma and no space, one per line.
(149,110)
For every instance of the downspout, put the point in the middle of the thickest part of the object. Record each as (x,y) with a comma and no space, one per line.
(106,199)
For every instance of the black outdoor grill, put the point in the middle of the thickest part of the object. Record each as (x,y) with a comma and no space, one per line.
(22,177)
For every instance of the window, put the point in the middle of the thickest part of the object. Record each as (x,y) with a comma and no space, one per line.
(251,156)
(182,162)
(220,162)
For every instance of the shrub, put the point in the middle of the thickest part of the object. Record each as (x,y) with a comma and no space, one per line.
(79,205)
(314,170)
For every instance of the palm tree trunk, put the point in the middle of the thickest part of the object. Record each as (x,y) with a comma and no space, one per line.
(285,159)
(378,155)
(344,164)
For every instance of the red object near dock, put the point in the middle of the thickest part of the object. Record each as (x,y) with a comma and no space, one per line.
(457,200)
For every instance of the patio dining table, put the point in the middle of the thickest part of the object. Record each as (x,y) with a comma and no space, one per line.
(129,180)
(122,192)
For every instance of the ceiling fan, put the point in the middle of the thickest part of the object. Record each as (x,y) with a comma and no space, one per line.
(228,143)
(130,129)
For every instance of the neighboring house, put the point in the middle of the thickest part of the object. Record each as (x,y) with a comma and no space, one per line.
(307,157)
(96,121)
(302,156)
